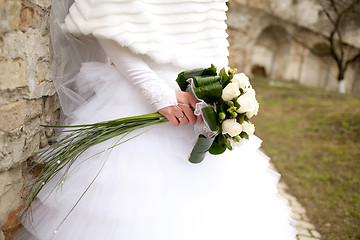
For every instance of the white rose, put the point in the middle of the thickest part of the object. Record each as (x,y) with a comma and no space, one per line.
(251,92)
(249,128)
(230,91)
(248,103)
(242,80)
(255,112)
(232,127)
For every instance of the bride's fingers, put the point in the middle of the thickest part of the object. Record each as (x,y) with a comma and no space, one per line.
(172,114)
(192,101)
(189,113)
(186,98)
(183,120)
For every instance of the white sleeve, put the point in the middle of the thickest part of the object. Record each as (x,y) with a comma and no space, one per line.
(133,67)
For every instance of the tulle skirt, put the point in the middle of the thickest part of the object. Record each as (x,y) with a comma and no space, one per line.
(146,188)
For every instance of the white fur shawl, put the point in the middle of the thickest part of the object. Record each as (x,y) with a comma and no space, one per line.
(187,33)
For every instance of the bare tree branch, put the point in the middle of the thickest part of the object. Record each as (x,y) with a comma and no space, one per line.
(334,6)
(311,49)
(353,59)
(339,14)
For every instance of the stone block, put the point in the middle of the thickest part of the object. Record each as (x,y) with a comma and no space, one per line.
(316,234)
(43,89)
(12,115)
(307,238)
(12,152)
(26,17)
(43,3)
(34,108)
(11,183)
(5,162)
(31,45)
(296,216)
(2,236)
(42,73)
(44,141)
(3,140)
(41,20)
(306,225)
(303,232)
(32,138)
(52,104)
(12,224)
(31,146)
(12,74)
(9,96)
(9,15)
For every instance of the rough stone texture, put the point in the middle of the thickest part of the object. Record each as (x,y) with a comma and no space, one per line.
(12,74)
(27,98)
(274,34)
(9,15)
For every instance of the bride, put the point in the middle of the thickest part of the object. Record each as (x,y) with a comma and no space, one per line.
(146,188)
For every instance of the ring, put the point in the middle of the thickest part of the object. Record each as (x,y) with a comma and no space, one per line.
(181,117)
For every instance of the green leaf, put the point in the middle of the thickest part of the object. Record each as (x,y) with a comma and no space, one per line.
(211,71)
(209,93)
(201,147)
(184,76)
(210,117)
(244,135)
(228,144)
(218,146)
(202,81)
(222,107)
(225,78)
(240,118)
(236,104)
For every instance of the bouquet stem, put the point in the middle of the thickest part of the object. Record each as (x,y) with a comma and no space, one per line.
(77,139)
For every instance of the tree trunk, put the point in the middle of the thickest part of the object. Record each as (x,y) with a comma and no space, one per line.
(342,86)
(341,81)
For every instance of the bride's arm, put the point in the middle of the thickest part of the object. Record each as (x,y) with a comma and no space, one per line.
(159,94)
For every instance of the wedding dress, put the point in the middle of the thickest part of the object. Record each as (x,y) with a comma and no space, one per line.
(146,188)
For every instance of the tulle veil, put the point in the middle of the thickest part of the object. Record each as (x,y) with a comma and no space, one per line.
(69,52)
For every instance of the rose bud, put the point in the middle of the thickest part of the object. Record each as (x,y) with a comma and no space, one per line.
(222,115)
(237,138)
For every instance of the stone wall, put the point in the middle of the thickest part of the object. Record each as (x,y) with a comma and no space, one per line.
(27,97)
(274,34)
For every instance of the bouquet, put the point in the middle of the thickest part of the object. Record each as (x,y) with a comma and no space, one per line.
(227,102)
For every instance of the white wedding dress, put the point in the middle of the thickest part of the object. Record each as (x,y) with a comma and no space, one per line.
(146,188)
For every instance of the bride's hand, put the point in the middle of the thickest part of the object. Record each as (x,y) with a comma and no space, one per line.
(182,113)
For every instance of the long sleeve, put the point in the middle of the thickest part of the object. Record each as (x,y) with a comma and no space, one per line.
(133,67)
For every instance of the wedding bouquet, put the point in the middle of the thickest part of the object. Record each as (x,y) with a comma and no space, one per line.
(227,102)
